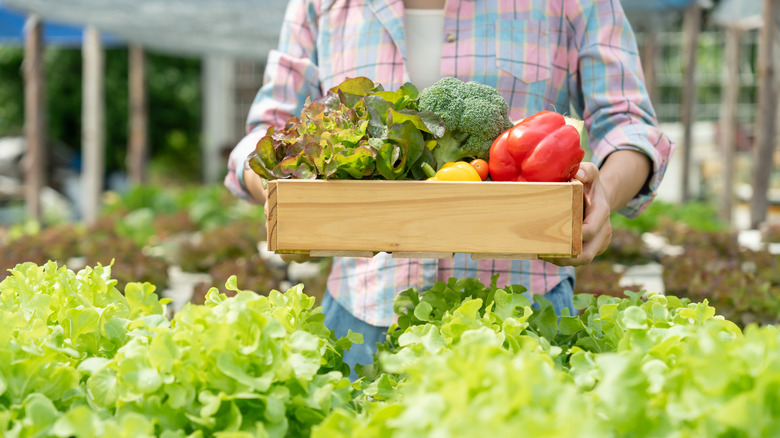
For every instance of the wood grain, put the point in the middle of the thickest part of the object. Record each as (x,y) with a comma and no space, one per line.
(578,215)
(271,220)
(412,217)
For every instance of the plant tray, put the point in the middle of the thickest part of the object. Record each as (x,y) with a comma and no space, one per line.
(425,219)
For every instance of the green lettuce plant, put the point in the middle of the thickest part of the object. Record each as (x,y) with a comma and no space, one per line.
(80,358)
(357,130)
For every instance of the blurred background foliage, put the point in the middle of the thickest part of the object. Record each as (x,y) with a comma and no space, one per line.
(174,98)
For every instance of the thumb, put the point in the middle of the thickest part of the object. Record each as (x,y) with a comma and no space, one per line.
(587,173)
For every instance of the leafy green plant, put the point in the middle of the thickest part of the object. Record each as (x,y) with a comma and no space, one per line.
(206,206)
(82,359)
(39,245)
(53,322)
(641,368)
(744,287)
(156,198)
(102,244)
(700,216)
(440,315)
(252,273)
(741,283)
(475,387)
(356,130)
(278,372)
(600,278)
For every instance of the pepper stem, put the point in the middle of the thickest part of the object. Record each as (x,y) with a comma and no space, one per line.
(429,172)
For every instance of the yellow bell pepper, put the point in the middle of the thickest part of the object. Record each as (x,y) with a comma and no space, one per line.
(454,171)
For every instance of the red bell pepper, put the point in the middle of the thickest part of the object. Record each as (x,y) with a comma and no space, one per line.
(542,147)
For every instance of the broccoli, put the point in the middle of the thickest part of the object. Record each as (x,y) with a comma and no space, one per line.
(474,115)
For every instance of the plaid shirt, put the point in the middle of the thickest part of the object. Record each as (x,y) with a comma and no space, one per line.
(572,56)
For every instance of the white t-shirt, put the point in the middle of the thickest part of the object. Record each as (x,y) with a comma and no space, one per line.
(424,30)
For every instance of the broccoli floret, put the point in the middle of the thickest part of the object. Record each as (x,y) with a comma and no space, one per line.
(474,115)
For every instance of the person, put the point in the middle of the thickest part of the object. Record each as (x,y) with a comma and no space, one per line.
(573,56)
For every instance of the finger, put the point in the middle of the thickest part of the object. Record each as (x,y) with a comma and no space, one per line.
(597,215)
(600,242)
(587,173)
(595,220)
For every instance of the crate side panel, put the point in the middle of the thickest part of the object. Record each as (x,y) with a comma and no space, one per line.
(271,220)
(577,211)
(419,216)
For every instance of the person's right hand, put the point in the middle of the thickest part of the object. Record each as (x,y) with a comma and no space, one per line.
(596,225)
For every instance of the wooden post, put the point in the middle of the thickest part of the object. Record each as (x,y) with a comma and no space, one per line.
(137,148)
(218,113)
(766,113)
(34,117)
(93,121)
(728,117)
(691,25)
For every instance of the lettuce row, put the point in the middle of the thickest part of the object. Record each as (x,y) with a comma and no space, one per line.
(638,367)
(80,358)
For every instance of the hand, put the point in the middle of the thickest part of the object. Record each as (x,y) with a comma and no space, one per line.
(596,227)
(297,258)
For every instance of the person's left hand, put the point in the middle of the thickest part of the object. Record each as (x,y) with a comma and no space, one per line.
(596,227)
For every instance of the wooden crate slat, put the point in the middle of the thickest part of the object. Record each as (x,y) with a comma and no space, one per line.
(415,217)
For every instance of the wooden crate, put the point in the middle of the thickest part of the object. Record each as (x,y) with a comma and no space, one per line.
(425,219)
